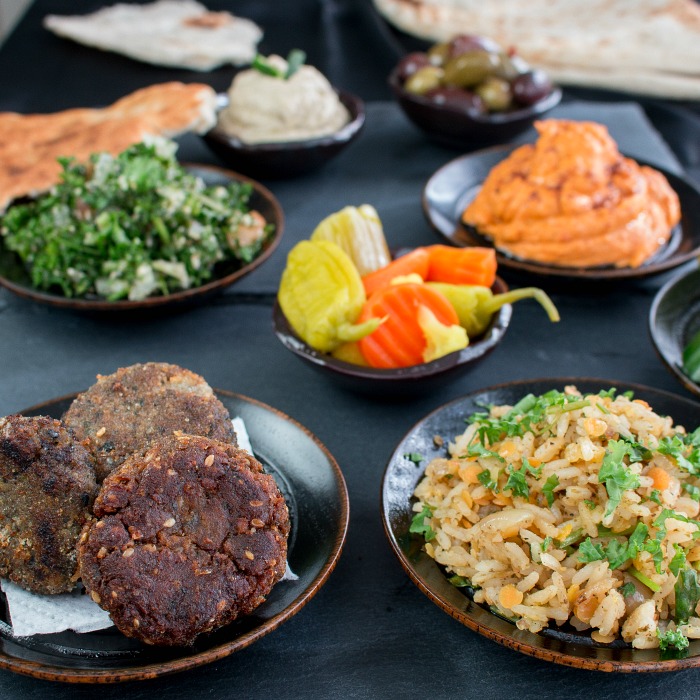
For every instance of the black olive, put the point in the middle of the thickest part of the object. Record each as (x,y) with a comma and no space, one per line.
(410,64)
(531,87)
(458,98)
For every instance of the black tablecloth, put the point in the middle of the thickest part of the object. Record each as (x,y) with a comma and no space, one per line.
(369,632)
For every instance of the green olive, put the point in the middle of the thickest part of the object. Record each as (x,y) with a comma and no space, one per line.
(439,53)
(424,79)
(469,69)
(496,94)
(507,68)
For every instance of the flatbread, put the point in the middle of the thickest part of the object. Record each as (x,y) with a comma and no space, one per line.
(644,46)
(31,143)
(176,33)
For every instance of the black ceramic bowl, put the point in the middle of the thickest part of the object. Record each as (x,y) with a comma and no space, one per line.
(291,158)
(406,380)
(673,320)
(15,277)
(458,128)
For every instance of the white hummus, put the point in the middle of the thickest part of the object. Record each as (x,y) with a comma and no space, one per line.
(264,108)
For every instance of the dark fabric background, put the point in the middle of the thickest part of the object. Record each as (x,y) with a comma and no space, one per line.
(369,633)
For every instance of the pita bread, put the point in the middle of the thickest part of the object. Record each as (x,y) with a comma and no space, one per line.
(645,46)
(31,143)
(176,33)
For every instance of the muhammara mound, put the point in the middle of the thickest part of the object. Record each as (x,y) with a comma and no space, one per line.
(571,199)
(47,486)
(188,535)
(122,412)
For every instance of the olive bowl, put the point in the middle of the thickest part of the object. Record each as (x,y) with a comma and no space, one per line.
(458,127)
(404,381)
(288,159)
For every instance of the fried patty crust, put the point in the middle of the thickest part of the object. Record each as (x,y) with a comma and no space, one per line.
(188,535)
(122,412)
(47,486)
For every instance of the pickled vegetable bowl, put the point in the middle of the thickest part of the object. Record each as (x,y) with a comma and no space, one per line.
(412,310)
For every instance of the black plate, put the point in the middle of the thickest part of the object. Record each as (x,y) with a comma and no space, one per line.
(14,276)
(402,476)
(454,186)
(315,491)
(673,320)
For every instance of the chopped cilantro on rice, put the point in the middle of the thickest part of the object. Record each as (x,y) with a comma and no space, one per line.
(572,508)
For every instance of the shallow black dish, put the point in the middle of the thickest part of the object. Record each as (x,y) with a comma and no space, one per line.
(14,276)
(673,320)
(396,382)
(402,475)
(452,187)
(287,159)
(458,128)
(315,491)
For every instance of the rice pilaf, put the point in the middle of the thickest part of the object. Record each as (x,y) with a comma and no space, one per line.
(572,508)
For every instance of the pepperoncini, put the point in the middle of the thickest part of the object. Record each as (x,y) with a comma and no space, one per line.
(321,295)
(475,305)
(440,338)
(358,231)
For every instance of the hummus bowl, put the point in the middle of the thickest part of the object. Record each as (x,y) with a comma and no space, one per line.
(286,159)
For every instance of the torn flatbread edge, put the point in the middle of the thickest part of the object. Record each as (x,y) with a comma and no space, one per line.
(439,21)
(148,33)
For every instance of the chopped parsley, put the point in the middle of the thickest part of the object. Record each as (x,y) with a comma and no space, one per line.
(420,524)
(672,639)
(548,488)
(655,496)
(525,415)
(687,590)
(415,457)
(628,589)
(517,483)
(616,476)
(486,480)
(617,551)
(131,226)
(684,449)
(678,561)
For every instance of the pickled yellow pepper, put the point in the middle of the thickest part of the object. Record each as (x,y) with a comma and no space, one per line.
(475,305)
(321,294)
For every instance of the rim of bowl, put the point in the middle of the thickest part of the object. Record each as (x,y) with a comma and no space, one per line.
(473,352)
(538,108)
(354,104)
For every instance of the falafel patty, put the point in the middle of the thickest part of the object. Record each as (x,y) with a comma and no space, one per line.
(122,412)
(47,485)
(189,535)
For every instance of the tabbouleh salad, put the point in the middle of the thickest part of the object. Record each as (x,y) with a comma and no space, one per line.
(131,226)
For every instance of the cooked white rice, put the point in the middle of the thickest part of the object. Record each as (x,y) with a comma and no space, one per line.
(572,508)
